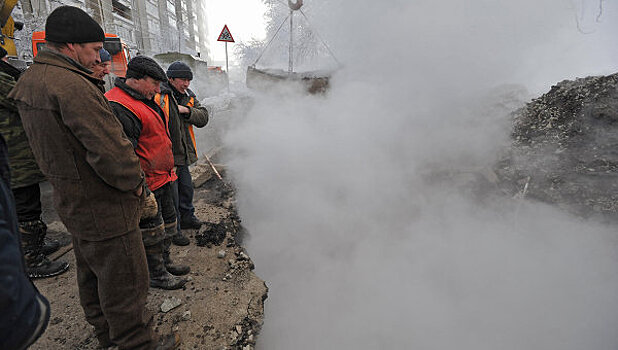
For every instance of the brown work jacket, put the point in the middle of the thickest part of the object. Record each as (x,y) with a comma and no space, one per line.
(80,147)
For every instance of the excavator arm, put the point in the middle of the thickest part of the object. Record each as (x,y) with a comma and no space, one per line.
(8,26)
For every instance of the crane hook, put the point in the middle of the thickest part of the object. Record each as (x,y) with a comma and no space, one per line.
(295,6)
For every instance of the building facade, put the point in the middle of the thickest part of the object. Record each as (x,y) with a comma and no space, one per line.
(146,26)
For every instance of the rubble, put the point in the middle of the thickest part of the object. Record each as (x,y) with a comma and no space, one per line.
(186,316)
(170,304)
(214,234)
(565,147)
(200,174)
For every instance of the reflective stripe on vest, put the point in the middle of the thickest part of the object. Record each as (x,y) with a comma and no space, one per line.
(154,146)
(165,105)
(191,104)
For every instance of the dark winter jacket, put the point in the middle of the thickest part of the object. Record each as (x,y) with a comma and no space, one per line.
(146,125)
(24,170)
(80,147)
(24,312)
(185,152)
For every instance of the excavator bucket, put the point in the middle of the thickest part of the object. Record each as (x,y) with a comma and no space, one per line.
(8,26)
(6,7)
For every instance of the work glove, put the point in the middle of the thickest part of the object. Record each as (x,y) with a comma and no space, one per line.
(150,207)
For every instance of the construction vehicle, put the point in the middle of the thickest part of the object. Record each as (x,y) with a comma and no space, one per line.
(113,44)
(8,27)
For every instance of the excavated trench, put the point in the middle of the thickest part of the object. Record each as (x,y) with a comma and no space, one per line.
(564,152)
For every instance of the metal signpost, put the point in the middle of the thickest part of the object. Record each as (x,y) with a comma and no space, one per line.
(226,37)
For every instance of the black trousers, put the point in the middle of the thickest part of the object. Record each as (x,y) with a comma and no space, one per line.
(28,202)
(185,193)
(165,200)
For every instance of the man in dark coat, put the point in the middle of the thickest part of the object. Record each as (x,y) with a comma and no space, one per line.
(148,128)
(98,184)
(25,179)
(186,111)
(24,312)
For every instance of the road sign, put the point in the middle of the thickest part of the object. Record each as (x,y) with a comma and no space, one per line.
(226,35)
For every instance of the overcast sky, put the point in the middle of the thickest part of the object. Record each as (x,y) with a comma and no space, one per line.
(244,18)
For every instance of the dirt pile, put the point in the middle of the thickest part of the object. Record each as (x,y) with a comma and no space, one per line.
(565,148)
(221,307)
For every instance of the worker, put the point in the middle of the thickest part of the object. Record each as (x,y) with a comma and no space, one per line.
(185,110)
(24,312)
(96,176)
(103,66)
(25,179)
(148,128)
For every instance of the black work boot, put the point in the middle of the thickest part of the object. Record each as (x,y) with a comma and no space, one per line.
(37,264)
(190,222)
(50,245)
(174,269)
(159,276)
(180,240)
(171,230)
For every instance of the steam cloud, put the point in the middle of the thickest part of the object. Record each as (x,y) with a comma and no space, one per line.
(365,243)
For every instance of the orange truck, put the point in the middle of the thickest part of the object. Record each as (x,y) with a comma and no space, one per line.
(113,44)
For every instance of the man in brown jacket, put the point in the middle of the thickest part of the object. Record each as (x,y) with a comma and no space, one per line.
(98,184)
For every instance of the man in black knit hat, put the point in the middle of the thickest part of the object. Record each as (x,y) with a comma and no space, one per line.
(148,127)
(185,110)
(97,180)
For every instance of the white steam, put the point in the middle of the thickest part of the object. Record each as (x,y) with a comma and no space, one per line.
(359,203)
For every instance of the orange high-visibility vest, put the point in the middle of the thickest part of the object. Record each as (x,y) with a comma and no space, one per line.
(165,105)
(154,146)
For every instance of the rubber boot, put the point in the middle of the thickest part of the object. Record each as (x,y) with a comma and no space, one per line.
(159,276)
(50,245)
(177,237)
(175,269)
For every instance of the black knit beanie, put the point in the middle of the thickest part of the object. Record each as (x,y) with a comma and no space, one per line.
(69,24)
(179,70)
(142,65)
